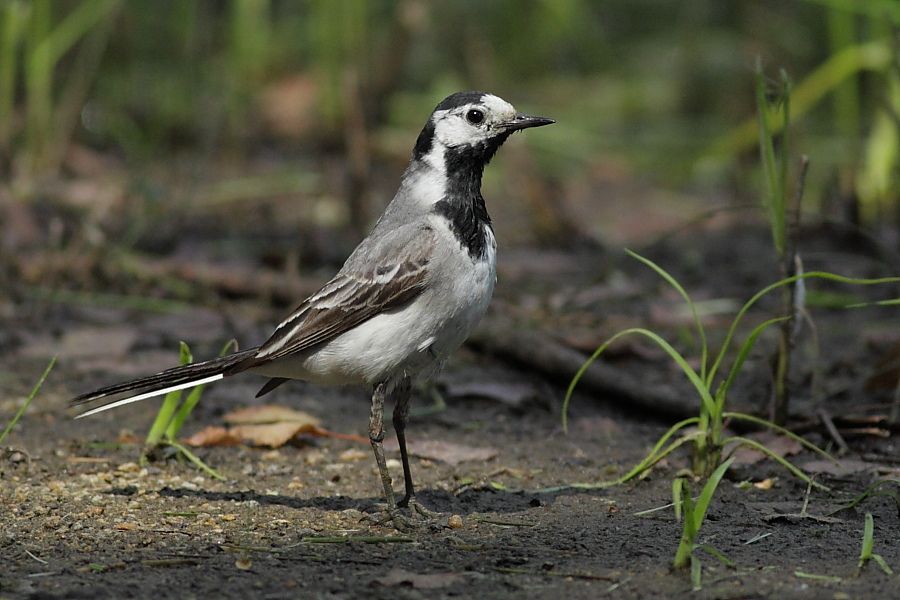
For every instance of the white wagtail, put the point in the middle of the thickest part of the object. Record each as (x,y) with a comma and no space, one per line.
(407,297)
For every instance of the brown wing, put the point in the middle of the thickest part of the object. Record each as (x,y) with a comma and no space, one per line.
(348,300)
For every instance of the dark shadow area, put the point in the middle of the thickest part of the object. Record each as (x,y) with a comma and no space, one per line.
(466,503)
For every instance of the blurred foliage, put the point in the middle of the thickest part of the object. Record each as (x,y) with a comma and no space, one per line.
(664,88)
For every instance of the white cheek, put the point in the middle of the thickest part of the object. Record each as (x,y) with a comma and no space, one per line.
(456,132)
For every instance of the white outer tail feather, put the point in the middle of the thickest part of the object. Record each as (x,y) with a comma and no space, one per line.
(152,394)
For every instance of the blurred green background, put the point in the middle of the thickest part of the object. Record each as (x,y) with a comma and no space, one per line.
(145,124)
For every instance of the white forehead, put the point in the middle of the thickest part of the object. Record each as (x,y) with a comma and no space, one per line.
(498,106)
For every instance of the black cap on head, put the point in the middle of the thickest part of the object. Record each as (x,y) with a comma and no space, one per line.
(460,99)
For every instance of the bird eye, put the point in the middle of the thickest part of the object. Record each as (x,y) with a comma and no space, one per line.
(475,116)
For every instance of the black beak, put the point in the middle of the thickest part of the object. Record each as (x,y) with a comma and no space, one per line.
(525,121)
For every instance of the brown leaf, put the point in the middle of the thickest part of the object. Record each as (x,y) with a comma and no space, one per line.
(272,435)
(269,413)
(268,425)
(213,435)
(419,581)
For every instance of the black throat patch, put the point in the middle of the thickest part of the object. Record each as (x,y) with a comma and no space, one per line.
(463,205)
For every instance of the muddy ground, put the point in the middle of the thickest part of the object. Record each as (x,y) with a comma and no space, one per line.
(80,517)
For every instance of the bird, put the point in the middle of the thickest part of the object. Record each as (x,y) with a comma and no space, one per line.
(406,298)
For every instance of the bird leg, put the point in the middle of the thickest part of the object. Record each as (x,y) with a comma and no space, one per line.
(402,394)
(376,437)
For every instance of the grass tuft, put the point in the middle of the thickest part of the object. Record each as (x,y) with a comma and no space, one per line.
(705,434)
(694,513)
(174,412)
(867,553)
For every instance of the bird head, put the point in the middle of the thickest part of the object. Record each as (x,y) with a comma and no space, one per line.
(470,127)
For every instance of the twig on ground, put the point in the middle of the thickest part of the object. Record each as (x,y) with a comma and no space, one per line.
(826,420)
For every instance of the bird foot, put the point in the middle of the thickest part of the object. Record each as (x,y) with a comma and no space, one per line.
(419,511)
(408,516)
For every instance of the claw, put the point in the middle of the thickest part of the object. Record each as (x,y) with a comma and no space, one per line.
(418,516)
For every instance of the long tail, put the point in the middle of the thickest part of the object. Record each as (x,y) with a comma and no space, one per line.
(170,380)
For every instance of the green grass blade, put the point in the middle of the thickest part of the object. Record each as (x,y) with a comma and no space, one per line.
(696,574)
(774,194)
(695,514)
(707,494)
(696,381)
(717,554)
(187,407)
(651,459)
(796,472)
(31,396)
(684,554)
(890,302)
(784,155)
(196,460)
(879,560)
(169,405)
(698,324)
(868,541)
(744,351)
(732,330)
(677,495)
(873,491)
(786,432)
(183,412)
(648,462)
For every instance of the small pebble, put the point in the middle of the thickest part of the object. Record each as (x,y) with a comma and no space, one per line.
(271,455)
(455,522)
(244,564)
(353,454)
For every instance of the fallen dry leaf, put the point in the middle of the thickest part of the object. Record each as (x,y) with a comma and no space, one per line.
(268,425)
(272,435)
(213,435)
(268,413)
(420,581)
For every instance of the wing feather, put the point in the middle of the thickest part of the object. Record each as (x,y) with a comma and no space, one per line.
(352,297)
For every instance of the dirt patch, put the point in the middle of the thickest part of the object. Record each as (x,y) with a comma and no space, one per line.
(80,518)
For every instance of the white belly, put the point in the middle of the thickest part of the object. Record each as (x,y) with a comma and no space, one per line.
(414,340)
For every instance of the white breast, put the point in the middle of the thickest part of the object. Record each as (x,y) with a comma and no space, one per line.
(415,339)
